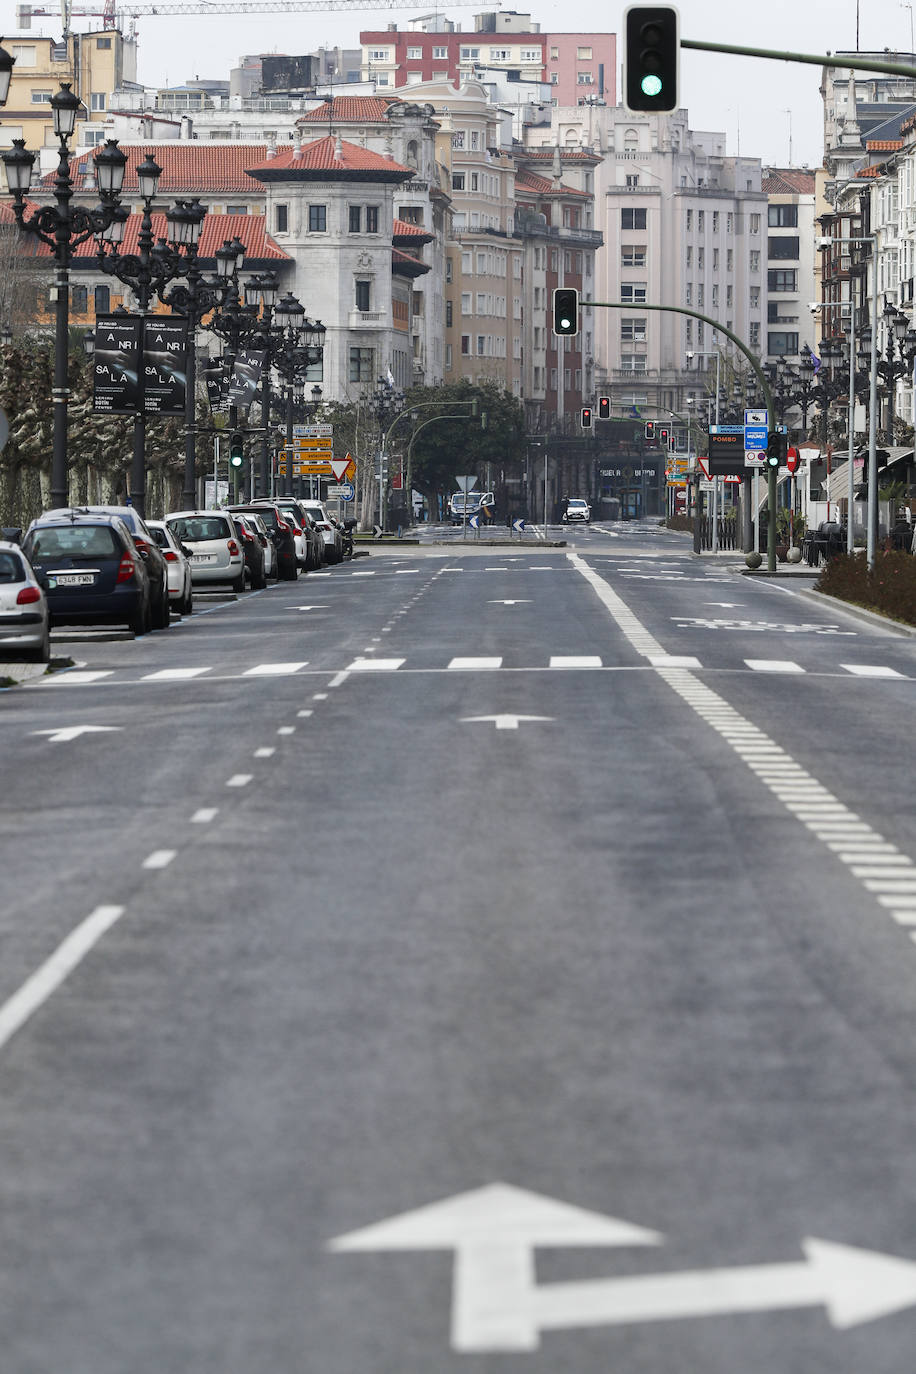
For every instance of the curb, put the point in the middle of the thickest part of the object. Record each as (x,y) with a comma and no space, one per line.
(882,622)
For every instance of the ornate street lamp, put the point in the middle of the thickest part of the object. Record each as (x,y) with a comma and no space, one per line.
(6,72)
(63,227)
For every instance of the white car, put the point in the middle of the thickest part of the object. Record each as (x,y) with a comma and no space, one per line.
(181,585)
(577,509)
(330,534)
(215,544)
(23,608)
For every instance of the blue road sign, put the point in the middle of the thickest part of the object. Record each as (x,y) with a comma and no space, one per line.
(755,436)
(347,490)
(474,522)
(518,525)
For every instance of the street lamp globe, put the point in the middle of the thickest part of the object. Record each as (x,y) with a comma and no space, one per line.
(6,71)
(225,260)
(64,106)
(19,163)
(89,343)
(110,163)
(148,174)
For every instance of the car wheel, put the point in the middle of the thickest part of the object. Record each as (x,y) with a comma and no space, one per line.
(162,616)
(40,655)
(290,573)
(239,584)
(261,582)
(139,619)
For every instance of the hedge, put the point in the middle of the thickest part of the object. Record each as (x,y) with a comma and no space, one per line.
(889,588)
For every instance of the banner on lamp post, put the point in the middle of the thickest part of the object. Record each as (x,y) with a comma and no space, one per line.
(165,361)
(116,365)
(246,374)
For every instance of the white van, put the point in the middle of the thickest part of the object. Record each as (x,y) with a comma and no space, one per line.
(461,507)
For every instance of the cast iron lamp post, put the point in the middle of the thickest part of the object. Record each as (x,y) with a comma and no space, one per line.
(63,227)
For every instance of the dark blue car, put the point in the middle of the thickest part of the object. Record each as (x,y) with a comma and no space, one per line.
(95,573)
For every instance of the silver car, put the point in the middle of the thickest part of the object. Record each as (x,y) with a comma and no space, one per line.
(23,608)
(215,544)
(330,534)
(178,567)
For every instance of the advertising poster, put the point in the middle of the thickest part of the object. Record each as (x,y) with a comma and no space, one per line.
(116,381)
(217,385)
(165,350)
(246,374)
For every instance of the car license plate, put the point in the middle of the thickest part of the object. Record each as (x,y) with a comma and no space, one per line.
(72,580)
(203,557)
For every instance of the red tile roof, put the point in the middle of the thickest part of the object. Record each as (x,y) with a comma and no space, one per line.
(249,229)
(883,145)
(350,109)
(329,155)
(187,168)
(783,181)
(540,186)
(869,172)
(414,232)
(566,155)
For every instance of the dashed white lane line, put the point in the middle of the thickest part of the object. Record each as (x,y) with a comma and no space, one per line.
(575,661)
(274,669)
(338,679)
(673,661)
(891,880)
(773,665)
(291,729)
(204,815)
(319,696)
(870,670)
(173,674)
(160,858)
(302,714)
(484,664)
(78,676)
(36,990)
(239,780)
(374,665)
(266,751)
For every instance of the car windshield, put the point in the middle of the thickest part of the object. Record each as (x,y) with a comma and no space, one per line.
(200,528)
(472,499)
(73,541)
(269,516)
(11,569)
(578,504)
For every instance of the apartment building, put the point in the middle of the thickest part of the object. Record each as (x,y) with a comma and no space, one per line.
(94,64)
(791,325)
(503,44)
(683,225)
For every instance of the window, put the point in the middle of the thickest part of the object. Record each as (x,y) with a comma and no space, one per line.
(363,295)
(475,141)
(753,336)
(102,300)
(783,247)
(701,258)
(371,219)
(362,364)
(470,54)
(690,220)
(318,219)
(236,209)
(729,297)
(631,218)
(633,292)
(554,54)
(633,362)
(701,220)
(41,97)
(729,259)
(381,79)
(729,223)
(79,299)
(475,181)
(448,270)
(688,333)
(753,262)
(458,138)
(701,295)
(356,219)
(554,78)
(632,181)
(633,330)
(98,100)
(782,279)
(379,54)
(414,54)
(715,221)
(448,314)
(584,54)
(715,295)
(530,55)
(466,345)
(281,219)
(584,79)
(689,256)
(440,54)
(103,43)
(782,216)
(633,256)
(481,345)
(783,343)
(23,54)
(457,181)
(754,298)
(715,259)
(466,303)
(500,54)
(688,293)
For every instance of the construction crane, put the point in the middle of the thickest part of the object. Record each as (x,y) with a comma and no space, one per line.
(111,14)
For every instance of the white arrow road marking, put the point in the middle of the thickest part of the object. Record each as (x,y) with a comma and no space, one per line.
(64,733)
(525,601)
(503,722)
(307,608)
(494,1232)
(854,1285)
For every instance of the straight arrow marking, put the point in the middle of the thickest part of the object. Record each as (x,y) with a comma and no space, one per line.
(503,722)
(63,733)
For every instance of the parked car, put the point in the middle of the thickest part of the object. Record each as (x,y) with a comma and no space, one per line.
(24,627)
(577,509)
(178,566)
(95,572)
(330,534)
(262,533)
(215,544)
(151,554)
(309,544)
(281,533)
(253,552)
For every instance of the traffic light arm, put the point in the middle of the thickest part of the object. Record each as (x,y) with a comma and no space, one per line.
(872,65)
(707,319)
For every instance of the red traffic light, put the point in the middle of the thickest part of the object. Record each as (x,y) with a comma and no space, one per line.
(586,417)
(604,407)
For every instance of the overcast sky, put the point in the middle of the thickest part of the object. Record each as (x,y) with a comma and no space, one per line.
(759,101)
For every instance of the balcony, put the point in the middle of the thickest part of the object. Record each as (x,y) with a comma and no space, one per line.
(367,319)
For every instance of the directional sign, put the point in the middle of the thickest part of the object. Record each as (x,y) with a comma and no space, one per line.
(518,525)
(307,431)
(474,522)
(498,1306)
(64,733)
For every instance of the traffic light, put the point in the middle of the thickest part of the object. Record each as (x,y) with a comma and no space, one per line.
(236,449)
(650,431)
(651,55)
(777,448)
(586,417)
(663,436)
(604,407)
(565,310)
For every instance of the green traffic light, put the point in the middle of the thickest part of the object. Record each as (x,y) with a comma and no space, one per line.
(651,85)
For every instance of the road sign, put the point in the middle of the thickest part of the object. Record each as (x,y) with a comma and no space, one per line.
(474,522)
(346,491)
(518,525)
(756,417)
(755,457)
(313,431)
(339,467)
(792,459)
(466,484)
(755,436)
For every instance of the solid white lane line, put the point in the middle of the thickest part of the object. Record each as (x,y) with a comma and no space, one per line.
(239,780)
(773,665)
(174,674)
(204,815)
(160,858)
(866,670)
(274,669)
(36,990)
(474,663)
